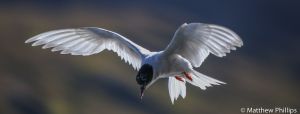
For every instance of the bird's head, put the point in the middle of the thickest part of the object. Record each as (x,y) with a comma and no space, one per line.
(144,77)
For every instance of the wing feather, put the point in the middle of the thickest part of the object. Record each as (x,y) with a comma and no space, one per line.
(195,41)
(91,40)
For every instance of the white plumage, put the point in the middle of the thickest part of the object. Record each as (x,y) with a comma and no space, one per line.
(191,44)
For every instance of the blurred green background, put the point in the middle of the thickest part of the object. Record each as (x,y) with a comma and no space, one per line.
(263,73)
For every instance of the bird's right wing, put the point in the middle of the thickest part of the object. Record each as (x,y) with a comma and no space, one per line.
(91,40)
(195,41)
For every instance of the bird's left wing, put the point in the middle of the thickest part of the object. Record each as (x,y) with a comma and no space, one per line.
(91,40)
(195,41)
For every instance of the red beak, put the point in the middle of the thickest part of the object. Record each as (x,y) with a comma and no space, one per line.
(142,91)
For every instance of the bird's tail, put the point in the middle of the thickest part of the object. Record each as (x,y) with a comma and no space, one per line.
(203,81)
(176,88)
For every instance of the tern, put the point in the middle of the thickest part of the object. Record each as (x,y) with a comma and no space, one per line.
(190,46)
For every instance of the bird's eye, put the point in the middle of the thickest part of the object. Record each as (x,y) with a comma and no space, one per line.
(141,79)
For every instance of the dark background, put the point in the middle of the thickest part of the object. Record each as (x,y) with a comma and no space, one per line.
(263,73)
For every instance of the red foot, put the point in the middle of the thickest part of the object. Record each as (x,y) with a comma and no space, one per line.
(179,78)
(188,76)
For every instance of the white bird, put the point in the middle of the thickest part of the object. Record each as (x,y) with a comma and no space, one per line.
(191,44)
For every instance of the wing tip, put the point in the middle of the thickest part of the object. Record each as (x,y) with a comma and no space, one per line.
(30,40)
(27,41)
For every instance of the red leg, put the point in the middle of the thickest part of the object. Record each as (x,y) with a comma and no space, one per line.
(179,78)
(188,76)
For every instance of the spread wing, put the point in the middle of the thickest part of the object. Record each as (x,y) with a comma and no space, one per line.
(90,40)
(195,41)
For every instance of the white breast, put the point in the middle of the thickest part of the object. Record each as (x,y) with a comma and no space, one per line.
(165,67)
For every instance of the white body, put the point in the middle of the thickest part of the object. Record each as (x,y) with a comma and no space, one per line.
(168,67)
(191,44)
(165,66)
